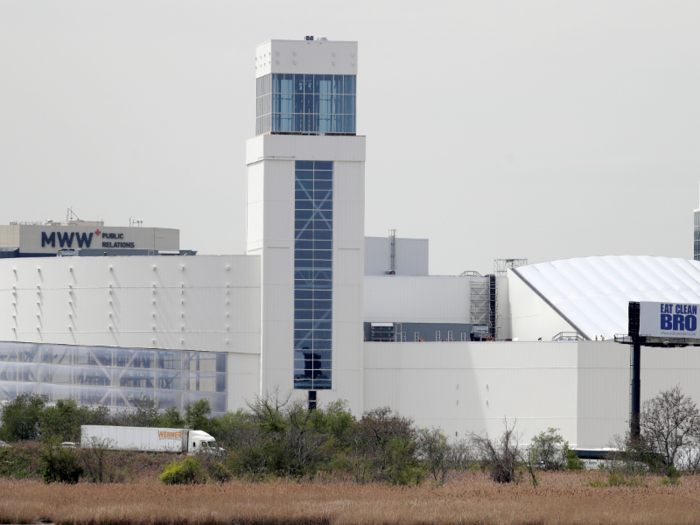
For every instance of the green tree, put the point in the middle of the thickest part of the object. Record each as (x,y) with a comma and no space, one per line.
(197,415)
(146,411)
(383,447)
(62,421)
(170,418)
(335,419)
(548,451)
(21,417)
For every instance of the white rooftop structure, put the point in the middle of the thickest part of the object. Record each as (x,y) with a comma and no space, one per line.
(590,295)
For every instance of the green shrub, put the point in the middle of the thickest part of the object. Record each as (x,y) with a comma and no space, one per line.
(573,462)
(597,483)
(548,451)
(218,472)
(619,480)
(21,461)
(60,465)
(187,472)
(673,476)
(616,480)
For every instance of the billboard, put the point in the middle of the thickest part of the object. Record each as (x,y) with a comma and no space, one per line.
(676,320)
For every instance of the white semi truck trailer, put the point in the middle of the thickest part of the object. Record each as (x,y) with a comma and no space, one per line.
(148,439)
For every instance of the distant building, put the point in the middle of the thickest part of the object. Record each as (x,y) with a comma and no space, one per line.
(76,237)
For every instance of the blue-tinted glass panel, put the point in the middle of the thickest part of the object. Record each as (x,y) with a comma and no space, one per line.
(308,104)
(320,314)
(313,261)
(328,234)
(304,245)
(303,214)
(323,264)
(350,86)
(324,305)
(298,83)
(111,376)
(337,83)
(303,304)
(305,355)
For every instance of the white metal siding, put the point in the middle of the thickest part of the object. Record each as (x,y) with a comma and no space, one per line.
(196,303)
(393,298)
(412,256)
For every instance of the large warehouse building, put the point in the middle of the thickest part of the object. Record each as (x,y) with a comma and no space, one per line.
(317,309)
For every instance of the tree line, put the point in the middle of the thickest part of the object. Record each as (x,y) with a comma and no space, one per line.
(278,436)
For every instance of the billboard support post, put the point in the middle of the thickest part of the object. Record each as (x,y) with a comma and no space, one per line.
(636,391)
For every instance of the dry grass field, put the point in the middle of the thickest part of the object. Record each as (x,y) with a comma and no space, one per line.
(561,498)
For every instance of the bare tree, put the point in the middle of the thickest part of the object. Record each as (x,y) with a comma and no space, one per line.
(670,427)
(501,456)
(443,460)
(94,457)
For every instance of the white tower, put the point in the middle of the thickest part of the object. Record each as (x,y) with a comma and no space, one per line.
(306,218)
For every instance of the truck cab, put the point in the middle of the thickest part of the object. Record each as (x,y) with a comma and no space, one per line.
(200,442)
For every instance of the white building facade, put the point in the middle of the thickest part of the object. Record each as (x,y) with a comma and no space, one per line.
(316,309)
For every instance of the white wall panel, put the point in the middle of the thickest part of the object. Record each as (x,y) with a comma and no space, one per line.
(306,56)
(184,303)
(243,380)
(392,298)
(412,256)
(347,227)
(349,183)
(531,317)
(581,388)
(463,387)
(306,147)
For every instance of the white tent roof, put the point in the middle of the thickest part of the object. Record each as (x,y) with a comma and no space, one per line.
(593,293)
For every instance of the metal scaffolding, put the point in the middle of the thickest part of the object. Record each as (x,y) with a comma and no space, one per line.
(500,266)
(479,310)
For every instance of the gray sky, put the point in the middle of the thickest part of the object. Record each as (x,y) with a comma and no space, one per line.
(541,130)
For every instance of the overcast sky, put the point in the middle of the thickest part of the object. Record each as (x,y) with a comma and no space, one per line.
(527,129)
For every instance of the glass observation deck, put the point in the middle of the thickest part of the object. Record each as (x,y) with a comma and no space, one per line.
(306,104)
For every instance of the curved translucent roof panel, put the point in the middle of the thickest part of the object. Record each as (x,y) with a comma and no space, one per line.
(593,293)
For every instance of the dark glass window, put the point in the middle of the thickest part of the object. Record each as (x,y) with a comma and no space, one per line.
(313,263)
